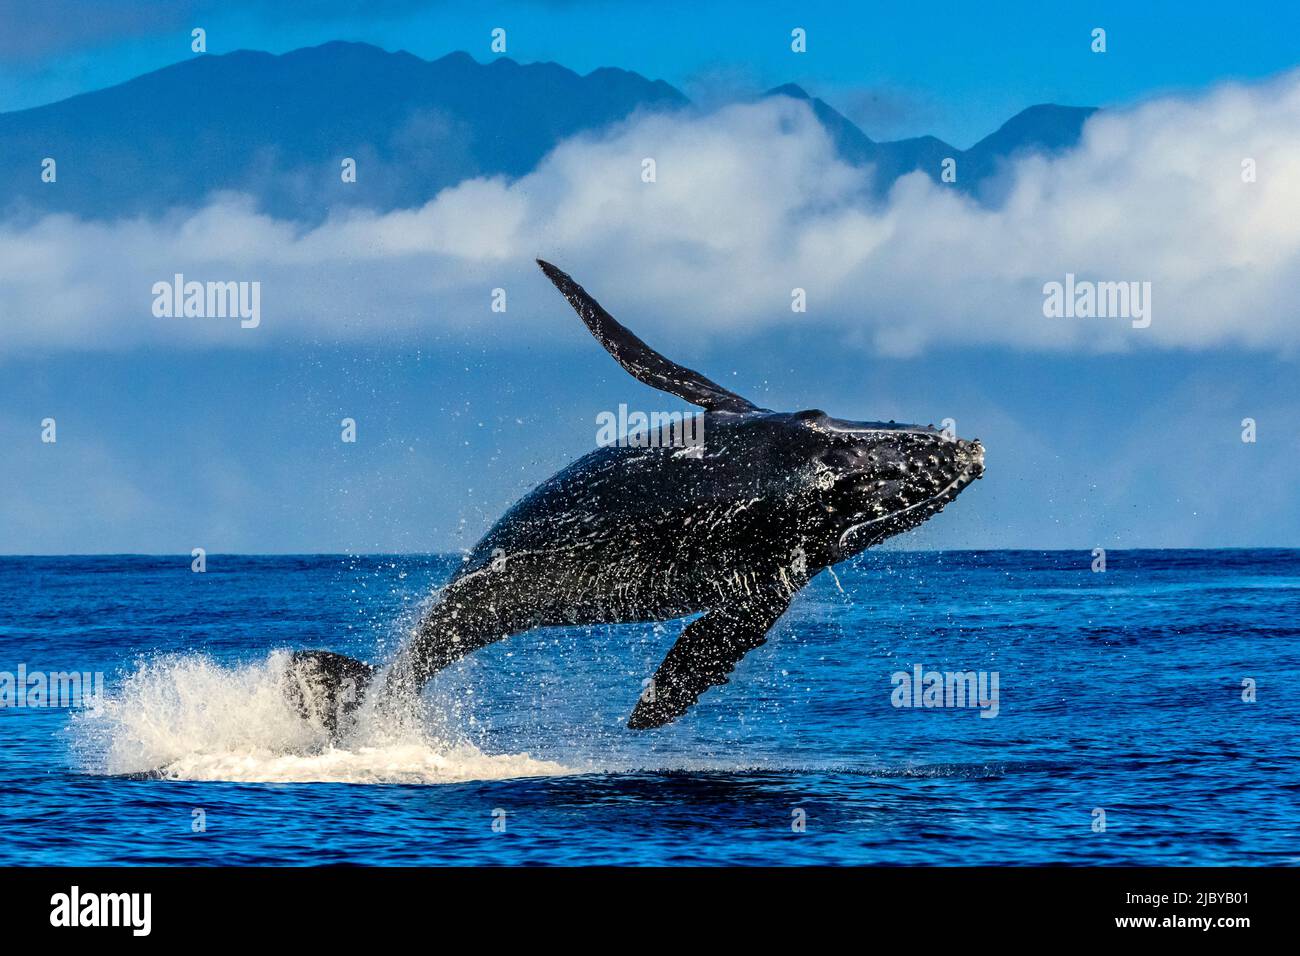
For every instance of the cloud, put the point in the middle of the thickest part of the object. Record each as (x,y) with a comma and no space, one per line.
(750,202)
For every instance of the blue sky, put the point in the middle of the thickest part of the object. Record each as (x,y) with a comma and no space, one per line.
(955,70)
(922,307)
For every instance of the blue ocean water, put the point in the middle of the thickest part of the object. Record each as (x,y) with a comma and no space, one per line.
(1119,694)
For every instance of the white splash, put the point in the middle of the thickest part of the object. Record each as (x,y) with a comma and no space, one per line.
(190,718)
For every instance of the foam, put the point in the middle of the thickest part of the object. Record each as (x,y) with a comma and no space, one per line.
(188,717)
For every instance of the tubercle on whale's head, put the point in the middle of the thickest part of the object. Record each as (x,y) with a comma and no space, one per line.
(873,480)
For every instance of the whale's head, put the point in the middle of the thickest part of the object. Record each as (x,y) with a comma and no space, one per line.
(873,480)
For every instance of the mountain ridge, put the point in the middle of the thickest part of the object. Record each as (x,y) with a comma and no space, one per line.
(276,126)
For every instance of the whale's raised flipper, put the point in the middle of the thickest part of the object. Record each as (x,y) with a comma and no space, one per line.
(641,361)
(706,653)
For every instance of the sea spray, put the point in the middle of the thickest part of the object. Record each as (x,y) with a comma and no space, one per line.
(187,717)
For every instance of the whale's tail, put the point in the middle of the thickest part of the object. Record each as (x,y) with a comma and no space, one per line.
(326,686)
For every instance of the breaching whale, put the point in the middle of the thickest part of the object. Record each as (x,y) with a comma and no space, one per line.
(641,532)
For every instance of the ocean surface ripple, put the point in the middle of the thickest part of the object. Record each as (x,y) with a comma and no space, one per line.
(1120,699)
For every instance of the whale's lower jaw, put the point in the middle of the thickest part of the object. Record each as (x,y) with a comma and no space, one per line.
(878,529)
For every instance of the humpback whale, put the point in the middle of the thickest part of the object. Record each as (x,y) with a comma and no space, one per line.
(643,532)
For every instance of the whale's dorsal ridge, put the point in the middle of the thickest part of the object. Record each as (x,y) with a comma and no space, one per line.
(639,360)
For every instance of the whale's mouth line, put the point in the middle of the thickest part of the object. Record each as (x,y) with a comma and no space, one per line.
(967,475)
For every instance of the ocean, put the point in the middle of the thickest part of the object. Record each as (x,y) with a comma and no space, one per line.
(1146,714)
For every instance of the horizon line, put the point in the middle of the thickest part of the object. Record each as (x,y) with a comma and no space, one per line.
(451,554)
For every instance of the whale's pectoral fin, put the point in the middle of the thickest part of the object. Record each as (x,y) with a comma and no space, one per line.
(705,654)
(639,360)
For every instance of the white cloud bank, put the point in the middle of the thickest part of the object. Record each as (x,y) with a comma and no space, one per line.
(750,202)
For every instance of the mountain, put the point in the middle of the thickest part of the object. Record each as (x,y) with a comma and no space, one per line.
(278,127)
(1043,129)
(890,159)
